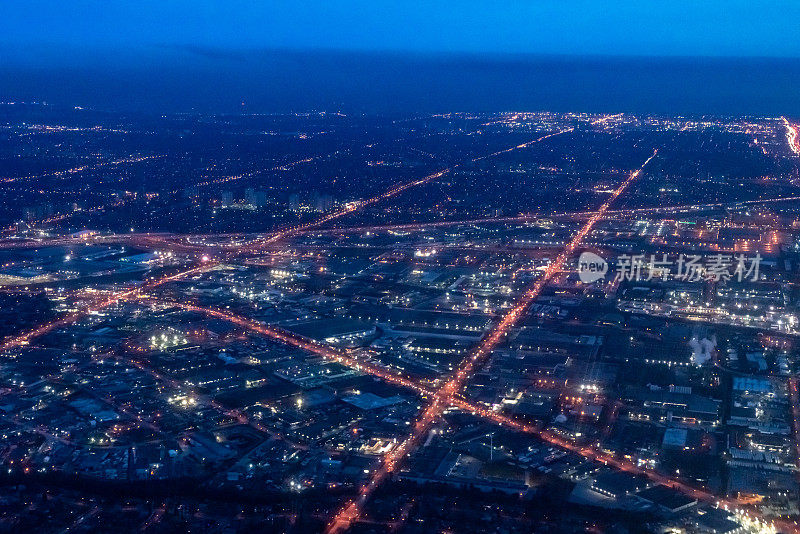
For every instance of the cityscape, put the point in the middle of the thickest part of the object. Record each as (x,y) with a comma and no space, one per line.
(399,268)
(322,322)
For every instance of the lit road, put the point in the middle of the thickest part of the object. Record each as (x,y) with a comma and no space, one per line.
(81,168)
(394,191)
(441,398)
(352,361)
(329,353)
(120,296)
(682,208)
(76,170)
(448,394)
(191,243)
(792,136)
(121,202)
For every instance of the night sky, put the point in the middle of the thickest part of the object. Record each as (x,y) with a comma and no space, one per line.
(727,57)
(620,27)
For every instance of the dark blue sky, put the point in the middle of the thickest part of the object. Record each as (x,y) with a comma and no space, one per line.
(614,27)
(733,57)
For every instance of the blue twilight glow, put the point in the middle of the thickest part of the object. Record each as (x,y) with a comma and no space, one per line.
(622,27)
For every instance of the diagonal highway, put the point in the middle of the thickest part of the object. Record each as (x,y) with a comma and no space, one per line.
(207,264)
(441,398)
(352,361)
(792,136)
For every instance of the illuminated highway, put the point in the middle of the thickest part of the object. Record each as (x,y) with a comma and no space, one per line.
(192,243)
(449,395)
(441,398)
(329,353)
(81,168)
(26,337)
(792,136)
(682,208)
(121,202)
(352,361)
(394,191)
(75,170)
(352,511)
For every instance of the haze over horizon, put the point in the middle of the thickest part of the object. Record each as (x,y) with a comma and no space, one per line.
(730,58)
